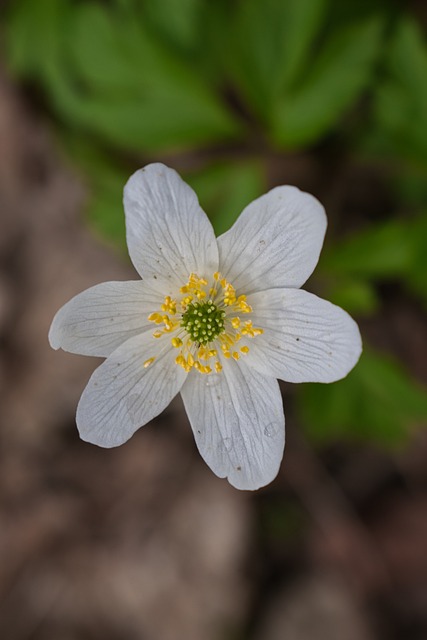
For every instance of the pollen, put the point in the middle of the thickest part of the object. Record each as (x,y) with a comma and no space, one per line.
(204,323)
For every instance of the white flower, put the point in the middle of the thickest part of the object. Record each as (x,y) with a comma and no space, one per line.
(215,319)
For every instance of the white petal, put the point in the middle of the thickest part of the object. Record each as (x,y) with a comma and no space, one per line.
(305,339)
(276,241)
(168,234)
(238,423)
(98,320)
(122,395)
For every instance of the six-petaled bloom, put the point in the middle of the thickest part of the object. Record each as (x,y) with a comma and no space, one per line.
(217,319)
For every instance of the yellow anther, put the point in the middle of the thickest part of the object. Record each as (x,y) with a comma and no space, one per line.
(155,317)
(195,281)
(243,305)
(169,305)
(199,337)
(186,301)
(183,363)
(201,368)
(250,330)
(229,293)
(169,324)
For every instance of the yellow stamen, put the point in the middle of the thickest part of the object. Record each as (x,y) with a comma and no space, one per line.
(207,320)
(243,305)
(155,317)
(250,330)
(229,293)
(169,305)
(148,362)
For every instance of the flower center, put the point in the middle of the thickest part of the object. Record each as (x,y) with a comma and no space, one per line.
(203,322)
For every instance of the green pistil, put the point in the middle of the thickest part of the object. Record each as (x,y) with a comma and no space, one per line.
(203,321)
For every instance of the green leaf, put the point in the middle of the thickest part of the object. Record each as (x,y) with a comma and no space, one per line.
(384,250)
(354,295)
(33,30)
(394,249)
(178,21)
(378,401)
(270,41)
(224,190)
(98,54)
(138,95)
(401,100)
(339,73)
(104,180)
(105,212)
(104,73)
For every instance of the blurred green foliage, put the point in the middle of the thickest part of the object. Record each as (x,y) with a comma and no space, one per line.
(377,401)
(230,85)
